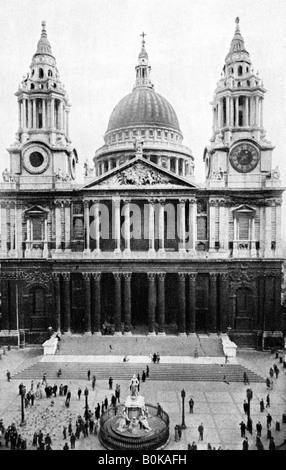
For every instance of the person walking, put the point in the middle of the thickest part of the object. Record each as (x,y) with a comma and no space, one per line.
(272,445)
(79,392)
(143,376)
(245,444)
(262,408)
(258,428)
(269,420)
(245,379)
(147,372)
(110,382)
(72,440)
(267,401)
(191,405)
(8,375)
(242,428)
(88,375)
(245,407)
(117,392)
(64,432)
(201,432)
(249,425)
(93,382)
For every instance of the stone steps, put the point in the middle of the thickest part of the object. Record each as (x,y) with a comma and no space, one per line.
(124,371)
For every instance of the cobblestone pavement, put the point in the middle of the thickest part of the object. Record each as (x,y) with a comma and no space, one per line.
(218,406)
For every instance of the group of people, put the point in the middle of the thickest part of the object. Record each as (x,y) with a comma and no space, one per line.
(155,358)
(12,438)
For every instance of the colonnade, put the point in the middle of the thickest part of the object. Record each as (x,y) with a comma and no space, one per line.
(122,313)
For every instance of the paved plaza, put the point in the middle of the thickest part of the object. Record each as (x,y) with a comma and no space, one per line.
(218,405)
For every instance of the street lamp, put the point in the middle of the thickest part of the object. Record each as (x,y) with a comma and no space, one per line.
(249,395)
(23,394)
(86,403)
(183,395)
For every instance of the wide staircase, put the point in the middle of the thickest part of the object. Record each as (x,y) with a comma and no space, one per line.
(123,371)
(169,345)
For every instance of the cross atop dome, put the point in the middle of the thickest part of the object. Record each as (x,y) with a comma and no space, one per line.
(143,40)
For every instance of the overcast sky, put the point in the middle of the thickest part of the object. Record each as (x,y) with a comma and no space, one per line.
(96,45)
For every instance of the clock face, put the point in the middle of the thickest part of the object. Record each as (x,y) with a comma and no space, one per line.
(244,157)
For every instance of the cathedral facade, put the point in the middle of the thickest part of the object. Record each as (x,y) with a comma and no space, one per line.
(139,247)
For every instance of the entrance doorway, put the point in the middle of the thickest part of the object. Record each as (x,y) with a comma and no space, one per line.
(244,309)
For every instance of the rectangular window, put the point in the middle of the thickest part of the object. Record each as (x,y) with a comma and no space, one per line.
(37,229)
(201,228)
(243,228)
(159,133)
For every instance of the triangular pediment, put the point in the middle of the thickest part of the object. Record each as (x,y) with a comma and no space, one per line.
(139,173)
(36,210)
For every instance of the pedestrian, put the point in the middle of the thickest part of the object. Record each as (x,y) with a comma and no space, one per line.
(44,378)
(68,398)
(262,405)
(91,425)
(272,445)
(259,428)
(177,433)
(277,374)
(245,444)
(70,427)
(79,392)
(250,425)
(113,400)
(196,354)
(64,432)
(269,420)
(48,440)
(66,447)
(147,371)
(93,382)
(106,403)
(110,382)
(59,373)
(245,407)
(191,405)
(268,382)
(259,443)
(97,411)
(55,389)
(271,372)
(35,439)
(242,429)
(267,401)
(226,359)
(117,392)
(225,380)
(102,407)
(154,359)
(72,440)
(201,432)
(8,374)
(245,379)
(88,375)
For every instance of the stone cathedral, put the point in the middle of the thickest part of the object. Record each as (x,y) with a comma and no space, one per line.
(139,246)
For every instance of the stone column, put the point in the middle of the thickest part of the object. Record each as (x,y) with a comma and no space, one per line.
(58,206)
(182,303)
(236,112)
(192,225)
(261,112)
(52,118)
(44,114)
(67,206)
(257,110)
(127,303)
(151,303)
(262,231)
(182,225)
(67,302)
(34,114)
(24,114)
(212,323)
(117,306)
(161,303)
(96,303)
(227,110)
(192,302)
(4,228)
(151,227)
(19,229)
(268,211)
(224,300)
(97,226)
(67,122)
(246,120)
(127,226)
(176,165)
(212,208)
(223,227)
(277,301)
(117,234)
(29,114)
(87,303)
(19,115)
(278,248)
(12,225)
(87,227)
(161,227)
(56,278)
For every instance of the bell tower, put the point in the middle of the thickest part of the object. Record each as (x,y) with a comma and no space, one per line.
(42,155)
(239,155)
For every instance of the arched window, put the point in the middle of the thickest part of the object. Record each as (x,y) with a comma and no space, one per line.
(41,73)
(224,111)
(239,70)
(50,73)
(32,86)
(248,82)
(239,84)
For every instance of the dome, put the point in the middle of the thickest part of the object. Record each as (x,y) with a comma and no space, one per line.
(143,107)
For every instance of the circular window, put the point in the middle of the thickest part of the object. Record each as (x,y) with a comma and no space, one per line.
(36,159)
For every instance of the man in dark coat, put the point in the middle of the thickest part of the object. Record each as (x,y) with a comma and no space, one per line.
(242,429)
(147,371)
(191,405)
(97,411)
(245,444)
(262,405)
(110,382)
(79,392)
(259,428)
(272,444)
(117,392)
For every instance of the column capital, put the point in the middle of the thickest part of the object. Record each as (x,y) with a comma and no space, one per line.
(182,276)
(127,276)
(192,200)
(86,203)
(117,275)
(213,276)
(192,276)
(116,202)
(151,201)
(67,203)
(213,202)
(56,276)
(96,276)
(182,201)
(58,204)
(86,276)
(151,276)
(162,201)
(66,276)
(161,276)
(126,200)
(224,276)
